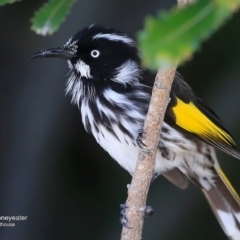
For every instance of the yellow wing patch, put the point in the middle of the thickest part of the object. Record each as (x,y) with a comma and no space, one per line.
(190,118)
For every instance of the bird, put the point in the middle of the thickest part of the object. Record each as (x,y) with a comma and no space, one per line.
(112,90)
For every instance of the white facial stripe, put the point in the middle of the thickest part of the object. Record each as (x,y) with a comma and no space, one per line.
(68,42)
(115,37)
(83,69)
(127,73)
(71,46)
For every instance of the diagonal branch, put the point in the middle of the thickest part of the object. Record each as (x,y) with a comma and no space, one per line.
(138,190)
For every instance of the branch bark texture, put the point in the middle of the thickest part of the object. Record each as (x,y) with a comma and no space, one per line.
(138,190)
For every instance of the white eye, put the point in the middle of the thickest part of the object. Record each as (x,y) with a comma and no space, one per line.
(95,53)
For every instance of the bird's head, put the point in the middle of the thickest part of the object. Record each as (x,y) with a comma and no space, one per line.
(99,58)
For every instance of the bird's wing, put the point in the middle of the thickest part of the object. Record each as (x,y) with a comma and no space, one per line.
(191,114)
(176,177)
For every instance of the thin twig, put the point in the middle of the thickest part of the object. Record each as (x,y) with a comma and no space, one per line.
(138,190)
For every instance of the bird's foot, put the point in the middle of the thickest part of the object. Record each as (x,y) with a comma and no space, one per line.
(140,142)
(147,211)
(164,150)
(123,217)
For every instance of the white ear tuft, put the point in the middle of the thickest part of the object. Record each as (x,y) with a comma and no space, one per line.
(127,73)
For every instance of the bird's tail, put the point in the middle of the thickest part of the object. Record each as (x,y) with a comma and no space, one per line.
(225,204)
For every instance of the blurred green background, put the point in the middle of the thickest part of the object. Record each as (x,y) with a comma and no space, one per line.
(52,171)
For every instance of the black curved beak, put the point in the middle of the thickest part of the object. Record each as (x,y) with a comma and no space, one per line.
(58,52)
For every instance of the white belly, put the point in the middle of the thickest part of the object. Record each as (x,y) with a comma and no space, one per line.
(124,150)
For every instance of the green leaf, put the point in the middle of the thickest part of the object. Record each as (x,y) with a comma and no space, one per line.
(232,5)
(47,19)
(3,2)
(171,38)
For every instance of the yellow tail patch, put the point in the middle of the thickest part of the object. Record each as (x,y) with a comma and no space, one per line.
(190,118)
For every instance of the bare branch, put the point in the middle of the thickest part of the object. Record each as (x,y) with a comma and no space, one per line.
(138,190)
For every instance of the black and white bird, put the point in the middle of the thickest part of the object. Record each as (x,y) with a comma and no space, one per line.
(112,91)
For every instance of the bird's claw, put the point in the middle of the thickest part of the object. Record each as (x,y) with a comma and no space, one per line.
(123,218)
(147,211)
(139,141)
